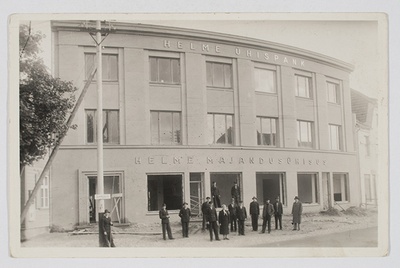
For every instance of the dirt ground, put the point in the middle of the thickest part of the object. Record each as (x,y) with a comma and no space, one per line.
(149,235)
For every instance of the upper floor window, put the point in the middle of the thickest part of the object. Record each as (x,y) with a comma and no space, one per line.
(264,80)
(367,146)
(109,66)
(303,87)
(219,74)
(220,128)
(305,134)
(110,126)
(333,93)
(165,128)
(44,193)
(165,70)
(335,137)
(266,131)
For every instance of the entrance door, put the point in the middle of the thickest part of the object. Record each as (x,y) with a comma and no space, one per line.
(269,186)
(225,182)
(196,192)
(164,188)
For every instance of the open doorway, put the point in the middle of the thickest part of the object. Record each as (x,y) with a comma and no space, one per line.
(225,182)
(164,188)
(271,185)
(196,192)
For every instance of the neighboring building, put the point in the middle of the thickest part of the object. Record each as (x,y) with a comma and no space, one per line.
(184,108)
(366,112)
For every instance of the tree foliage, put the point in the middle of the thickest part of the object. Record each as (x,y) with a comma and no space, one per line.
(45,101)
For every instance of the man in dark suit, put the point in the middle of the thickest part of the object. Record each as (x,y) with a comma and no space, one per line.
(215,195)
(254,212)
(242,216)
(107,223)
(278,208)
(185,214)
(233,217)
(204,210)
(212,219)
(268,211)
(164,216)
(235,192)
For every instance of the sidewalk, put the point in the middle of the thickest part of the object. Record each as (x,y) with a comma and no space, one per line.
(150,235)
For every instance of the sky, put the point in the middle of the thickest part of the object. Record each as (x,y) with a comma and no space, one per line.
(351,40)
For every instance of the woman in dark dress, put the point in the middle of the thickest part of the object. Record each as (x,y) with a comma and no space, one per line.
(224,220)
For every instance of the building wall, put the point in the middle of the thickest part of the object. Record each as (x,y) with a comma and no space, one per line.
(134,158)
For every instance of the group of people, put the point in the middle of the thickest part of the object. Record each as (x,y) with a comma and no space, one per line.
(233,217)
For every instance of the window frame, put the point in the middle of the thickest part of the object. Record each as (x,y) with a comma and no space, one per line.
(316,185)
(274,74)
(107,54)
(95,126)
(158,112)
(311,134)
(226,129)
(339,140)
(223,63)
(166,57)
(337,93)
(310,86)
(344,192)
(148,211)
(261,139)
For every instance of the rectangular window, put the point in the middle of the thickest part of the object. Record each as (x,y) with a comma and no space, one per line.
(307,185)
(305,134)
(220,128)
(165,128)
(367,146)
(340,187)
(219,74)
(164,189)
(333,93)
(110,126)
(266,131)
(264,80)
(335,137)
(110,66)
(165,70)
(303,87)
(44,193)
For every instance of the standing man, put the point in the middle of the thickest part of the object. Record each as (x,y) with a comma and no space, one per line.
(107,223)
(268,211)
(215,195)
(297,210)
(233,215)
(254,212)
(164,216)
(185,218)
(212,219)
(204,210)
(235,192)
(278,208)
(242,216)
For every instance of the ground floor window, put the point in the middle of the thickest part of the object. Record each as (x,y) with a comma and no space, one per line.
(269,186)
(224,182)
(340,187)
(166,189)
(196,192)
(307,185)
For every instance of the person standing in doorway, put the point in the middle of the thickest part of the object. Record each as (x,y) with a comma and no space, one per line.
(235,192)
(278,208)
(185,214)
(107,223)
(233,216)
(204,210)
(242,216)
(223,219)
(268,211)
(215,195)
(297,210)
(254,212)
(166,228)
(212,219)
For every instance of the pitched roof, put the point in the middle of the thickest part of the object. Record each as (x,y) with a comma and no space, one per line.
(360,104)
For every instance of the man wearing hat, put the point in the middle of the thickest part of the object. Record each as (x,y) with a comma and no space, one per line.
(204,210)
(297,210)
(241,216)
(166,228)
(268,211)
(254,212)
(233,217)
(235,192)
(185,218)
(213,220)
(278,208)
(107,223)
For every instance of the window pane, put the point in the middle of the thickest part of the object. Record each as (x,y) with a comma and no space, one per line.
(91,126)
(165,128)
(259,132)
(153,70)
(113,127)
(228,75)
(175,71)
(304,134)
(105,127)
(220,128)
(154,127)
(218,75)
(229,126)
(209,73)
(334,135)
(265,80)
(210,123)
(177,128)
(89,63)
(273,132)
(307,188)
(303,87)
(165,74)
(266,130)
(105,67)
(113,67)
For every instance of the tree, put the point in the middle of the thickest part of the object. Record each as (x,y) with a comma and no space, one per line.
(45,101)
